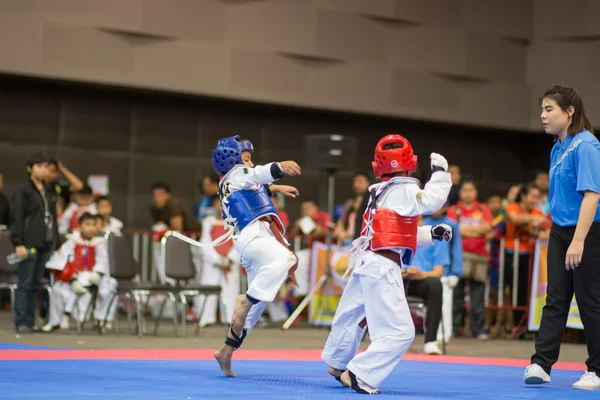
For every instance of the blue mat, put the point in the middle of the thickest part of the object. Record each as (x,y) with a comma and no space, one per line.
(265,380)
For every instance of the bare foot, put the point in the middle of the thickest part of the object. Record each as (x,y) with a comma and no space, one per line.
(345,379)
(223,357)
(361,387)
(336,373)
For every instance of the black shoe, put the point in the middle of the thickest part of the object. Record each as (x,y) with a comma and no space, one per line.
(24,330)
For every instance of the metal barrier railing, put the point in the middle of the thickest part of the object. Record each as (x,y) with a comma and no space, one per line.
(146,250)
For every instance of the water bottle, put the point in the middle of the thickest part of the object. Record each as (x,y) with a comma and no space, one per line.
(15,259)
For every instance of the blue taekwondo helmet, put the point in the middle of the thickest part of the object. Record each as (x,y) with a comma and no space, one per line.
(228,153)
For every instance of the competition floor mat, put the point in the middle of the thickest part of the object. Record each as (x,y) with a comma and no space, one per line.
(28,372)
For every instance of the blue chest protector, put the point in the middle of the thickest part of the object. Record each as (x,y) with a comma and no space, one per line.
(246,206)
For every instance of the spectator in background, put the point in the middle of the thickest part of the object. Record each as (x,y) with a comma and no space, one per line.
(346,225)
(62,191)
(453,269)
(474,221)
(360,212)
(4,204)
(78,265)
(496,318)
(542,182)
(84,203)
(511,196)
(523,221)
(167,210)
(209,188)
(312,224)
(33,226)
(220,266)
(285,219)
(423,279)
(109,223)
(456,177)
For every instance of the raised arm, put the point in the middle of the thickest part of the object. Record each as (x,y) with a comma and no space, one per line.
(246,177)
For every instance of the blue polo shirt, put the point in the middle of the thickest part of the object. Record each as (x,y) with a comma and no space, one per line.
(454,264)
(428,257)
(574,169)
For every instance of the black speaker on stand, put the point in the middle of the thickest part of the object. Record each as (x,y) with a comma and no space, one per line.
(328,153)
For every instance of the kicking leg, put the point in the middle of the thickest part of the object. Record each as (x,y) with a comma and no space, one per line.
(267,263)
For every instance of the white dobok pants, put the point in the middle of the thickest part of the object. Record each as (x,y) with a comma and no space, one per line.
(267,263)
(64,299)
(448,284)
(375,291)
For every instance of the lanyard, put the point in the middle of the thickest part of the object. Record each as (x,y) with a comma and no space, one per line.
(46,207)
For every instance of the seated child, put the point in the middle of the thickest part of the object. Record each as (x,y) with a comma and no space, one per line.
(77,266)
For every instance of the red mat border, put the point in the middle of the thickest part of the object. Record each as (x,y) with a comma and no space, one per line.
(257,355)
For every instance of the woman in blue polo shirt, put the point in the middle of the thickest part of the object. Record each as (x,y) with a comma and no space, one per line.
(574,244)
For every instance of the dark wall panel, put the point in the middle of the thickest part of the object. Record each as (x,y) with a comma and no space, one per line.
(218,121)
(95,123)
(165,130)
(140,138)
(29,116)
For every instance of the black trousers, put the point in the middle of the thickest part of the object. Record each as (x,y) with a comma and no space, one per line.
(523,284)
(476,306)
(30,275)
(584,281)
(430,289)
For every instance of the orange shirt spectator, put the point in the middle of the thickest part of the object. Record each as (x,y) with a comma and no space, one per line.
(521,232)
(524,220)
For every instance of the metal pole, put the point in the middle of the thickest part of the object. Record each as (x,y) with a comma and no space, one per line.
(329,236)
(515,282)
(328,239)
(501,274)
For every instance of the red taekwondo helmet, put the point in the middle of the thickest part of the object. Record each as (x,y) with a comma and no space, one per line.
(393,154)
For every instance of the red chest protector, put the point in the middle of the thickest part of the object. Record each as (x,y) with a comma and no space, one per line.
(83,259)
(217,231)
(389,230)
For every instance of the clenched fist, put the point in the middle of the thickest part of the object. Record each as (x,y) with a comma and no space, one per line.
(438,162)
(441,232)
(78,288)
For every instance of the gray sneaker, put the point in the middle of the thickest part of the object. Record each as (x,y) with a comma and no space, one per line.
(24,329)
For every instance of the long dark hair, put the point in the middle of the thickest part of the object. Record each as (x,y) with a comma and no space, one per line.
(566,97)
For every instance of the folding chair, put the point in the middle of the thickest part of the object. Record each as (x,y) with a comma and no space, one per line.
(420,303)
(178,265)
(8,273)
(89,311)
(124,268)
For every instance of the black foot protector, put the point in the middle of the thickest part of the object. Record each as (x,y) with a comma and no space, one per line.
(237,341)
(362,389)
